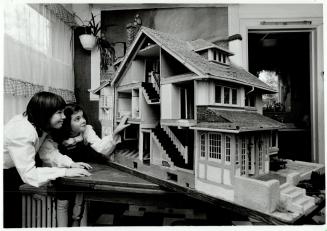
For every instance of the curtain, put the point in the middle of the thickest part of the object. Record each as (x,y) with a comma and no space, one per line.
(38,55)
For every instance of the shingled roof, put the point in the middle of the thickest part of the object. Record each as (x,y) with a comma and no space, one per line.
(201,44)
(183,51)
(239,121)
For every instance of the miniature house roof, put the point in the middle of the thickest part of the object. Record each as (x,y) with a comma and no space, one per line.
(201,44)
(239,121)
(184,52)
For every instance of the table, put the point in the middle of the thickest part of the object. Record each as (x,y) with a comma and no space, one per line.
(110,183)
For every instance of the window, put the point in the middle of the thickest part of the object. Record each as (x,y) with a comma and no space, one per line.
(227,149)
(229,95)
(250,100)
(218,94)
(30,27)
(226,95)
(250,155)
(260,158)
(243,156)
(236,150)
(273,139)
(215,146)
(234,96)
(203,145)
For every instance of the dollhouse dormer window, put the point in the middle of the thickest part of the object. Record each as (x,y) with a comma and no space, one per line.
(218,56)
(225,95)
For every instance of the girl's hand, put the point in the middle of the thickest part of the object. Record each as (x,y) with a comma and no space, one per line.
(121,126)
(81,165)
(76,172)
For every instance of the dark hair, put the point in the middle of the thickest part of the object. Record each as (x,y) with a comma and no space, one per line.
(64,132)
(41,108)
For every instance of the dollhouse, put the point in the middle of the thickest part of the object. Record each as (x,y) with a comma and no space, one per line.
(197,122)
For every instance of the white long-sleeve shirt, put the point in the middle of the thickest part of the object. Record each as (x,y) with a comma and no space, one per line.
(51,156)
(21,143)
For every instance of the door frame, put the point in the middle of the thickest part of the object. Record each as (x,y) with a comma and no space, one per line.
(316,71)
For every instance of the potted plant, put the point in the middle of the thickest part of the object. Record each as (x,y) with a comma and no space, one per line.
(90,38)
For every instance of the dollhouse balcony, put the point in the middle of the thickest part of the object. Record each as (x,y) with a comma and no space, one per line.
(178,122)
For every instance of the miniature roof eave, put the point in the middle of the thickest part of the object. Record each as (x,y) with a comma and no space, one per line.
(171,52)
(214,129)
(217,47)
(175,55)
(123,62)
(98,89)
(208,76)
(258,129)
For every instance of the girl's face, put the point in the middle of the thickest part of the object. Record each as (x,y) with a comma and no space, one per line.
(78,123)
(57,119)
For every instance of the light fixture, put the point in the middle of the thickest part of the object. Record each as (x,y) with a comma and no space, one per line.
(286,23)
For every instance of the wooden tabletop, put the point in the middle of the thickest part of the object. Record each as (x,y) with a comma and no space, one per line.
(111,179)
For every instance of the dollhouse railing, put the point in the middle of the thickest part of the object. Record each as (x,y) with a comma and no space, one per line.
(183,150)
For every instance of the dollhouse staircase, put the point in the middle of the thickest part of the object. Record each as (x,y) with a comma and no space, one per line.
(150,93)
(169,147)
(295,198)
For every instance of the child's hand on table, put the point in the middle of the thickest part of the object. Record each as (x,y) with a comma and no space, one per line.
(81,165)
(76,172)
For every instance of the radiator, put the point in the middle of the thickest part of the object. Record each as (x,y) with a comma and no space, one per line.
(38,210)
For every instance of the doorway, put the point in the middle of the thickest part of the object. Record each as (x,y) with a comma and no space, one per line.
(187,101)
(146,147)
(282,60)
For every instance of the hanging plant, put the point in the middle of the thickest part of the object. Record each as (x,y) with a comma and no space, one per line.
(91,39)
(91,30)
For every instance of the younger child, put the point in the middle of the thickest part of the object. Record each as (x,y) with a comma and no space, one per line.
(77,143)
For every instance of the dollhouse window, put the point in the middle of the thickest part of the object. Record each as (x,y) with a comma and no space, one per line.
(250,100)
(243,156)
(227,149)
(236,150)
(215,146)
(219,56)
(273,142)
(260,158)
(203,145)
(228,94)
(218,94)
(234,96)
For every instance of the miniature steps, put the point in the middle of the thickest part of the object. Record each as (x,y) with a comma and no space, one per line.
(170,162)
(151,95)
(169,147)
(295,198)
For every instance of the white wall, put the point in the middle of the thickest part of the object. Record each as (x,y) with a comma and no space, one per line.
(202,93)
(134,74)
(170,101)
